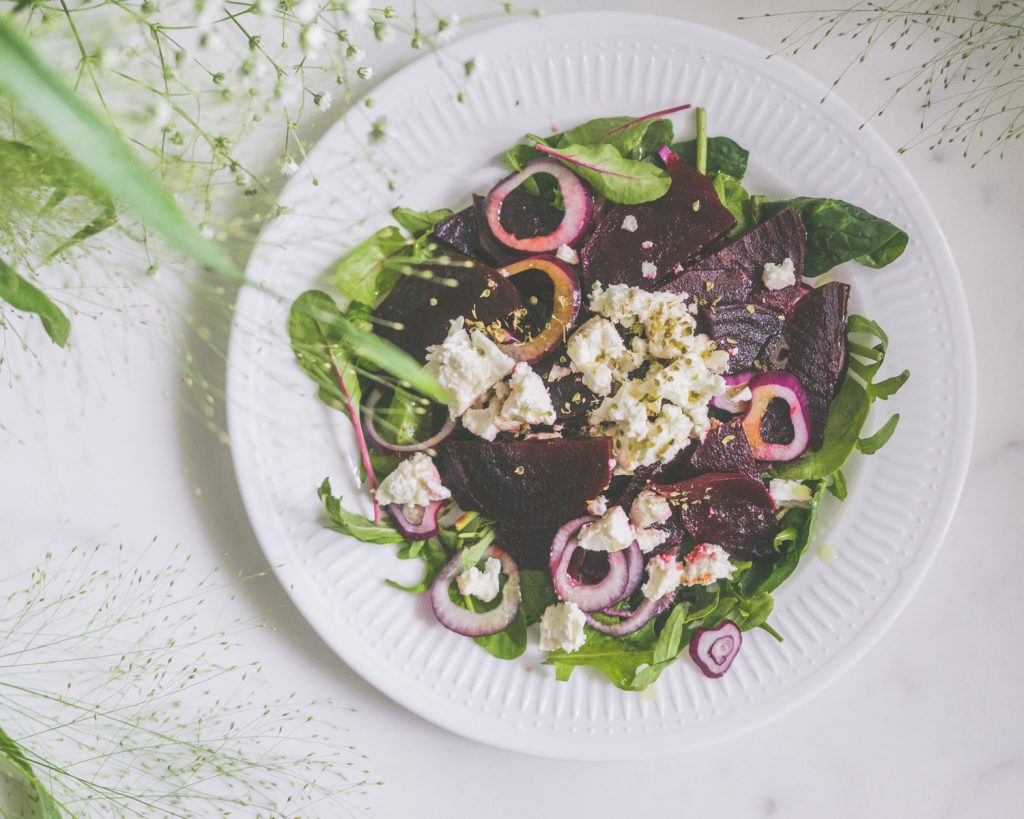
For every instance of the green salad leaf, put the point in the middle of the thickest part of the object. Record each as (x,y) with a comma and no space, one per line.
(320,348)
(431,553)
(419,222)
(838,232)
(538,594)
(13,753)
(633,138)
(350,523)
(724,156)
(368,271)
(626,181)
(21,294)
(736,200)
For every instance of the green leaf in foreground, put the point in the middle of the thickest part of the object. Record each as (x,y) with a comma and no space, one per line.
(13,753)
(627,181)
(364,273)
(838,231)
(21,294)
(352,524)
(98,149)
(419,222)
(724,156)
(736,200)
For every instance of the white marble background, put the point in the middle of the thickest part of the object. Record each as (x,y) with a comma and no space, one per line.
(929,724)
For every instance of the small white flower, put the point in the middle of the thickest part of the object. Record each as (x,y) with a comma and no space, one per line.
(358,10)
(265,7)
(312,40)
(365,72)
(447,28)
(355,54)
(289,167)
(305,11)
(322,101)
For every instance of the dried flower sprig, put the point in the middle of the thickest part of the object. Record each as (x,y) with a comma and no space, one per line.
(964,61)
(118,697)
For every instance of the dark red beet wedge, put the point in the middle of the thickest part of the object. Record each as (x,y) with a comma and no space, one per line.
(527,485)
(481,294)
(743,330)
(669,231)
(783,236)
(712,286)
(727,508)
(815,337)
(459,231)
(725,448)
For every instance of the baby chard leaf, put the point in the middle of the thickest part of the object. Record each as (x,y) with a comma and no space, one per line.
(21,294)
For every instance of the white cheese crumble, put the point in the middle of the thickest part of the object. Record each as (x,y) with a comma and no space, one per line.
(664,574)
(707,563)
(598,353)
(466,364)
(567,254)
(790,494)
(511,405)
(777,276)
(647,510)
(629,223)
(415,482)
(662,318)
(558,372)
(597,506)
(483,585)
(561,628)
(612,533)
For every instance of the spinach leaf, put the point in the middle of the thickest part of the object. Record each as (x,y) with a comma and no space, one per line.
(634,138)
(369,270)
(538,594)
(508,643)
(350,523)
(838,232)
(320,348)
(434,557)
(627,181)
(736,199)
(21,294)
(419,222)
(724,156)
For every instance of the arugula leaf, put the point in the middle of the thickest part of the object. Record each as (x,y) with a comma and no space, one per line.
(434,557)
(21,294)
(838,231)
(419,222)
(350,523)
(837,485)
(508,643)
(620,659)
(724,156)
(736,199)
(627,181)
(873,443)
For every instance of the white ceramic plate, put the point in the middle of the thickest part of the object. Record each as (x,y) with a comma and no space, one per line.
(539,76)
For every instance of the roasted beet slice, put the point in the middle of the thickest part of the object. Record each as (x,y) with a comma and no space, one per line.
(743,330)
(815,338)
(459,231)
(774,240)
(727,508)
(669,231)
(522,214)
(531,548)
(725,448)
(423,308)
(712,286)
(571,398)
(532,484)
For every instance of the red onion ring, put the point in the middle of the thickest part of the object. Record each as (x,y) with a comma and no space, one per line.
(578,202)
(723,402)
(638,618)
(474,623)
(765,387)
(380,441)
(714,649)
(625,570)
(416,527)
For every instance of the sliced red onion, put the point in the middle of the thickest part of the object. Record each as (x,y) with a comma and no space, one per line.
(474,623)
(714,649)
(576,197)
(636,620)
(625,568)
(564,308)
(765,387)
(380,441)
(415,522)
(733,381)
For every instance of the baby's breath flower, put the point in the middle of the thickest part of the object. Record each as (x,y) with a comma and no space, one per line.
(475,65)
(358,10)
(288,166)
(365,72)
(355,54)
(312,40)
(379,132)
(306,11)
(383,32)
(447,27)
(322,101)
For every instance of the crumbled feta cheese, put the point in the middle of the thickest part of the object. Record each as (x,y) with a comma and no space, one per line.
(790,494)
(777,276)
(612,533)
(598,353)
(567,254)
(629,223)
(648,509)
(484,419)
(466,364)
(483,585)
(647,245)
(597,506)
(558,372)
(529,401)
(664,574)
(662,318)
(707,563)
(561,628)
(415,482)
(649,270)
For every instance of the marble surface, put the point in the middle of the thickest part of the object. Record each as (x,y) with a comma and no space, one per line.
(929,723)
